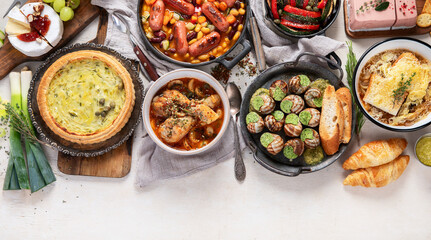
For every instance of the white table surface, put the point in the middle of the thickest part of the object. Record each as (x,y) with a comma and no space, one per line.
(213,205)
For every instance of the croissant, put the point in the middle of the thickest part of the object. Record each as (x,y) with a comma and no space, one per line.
(376,153)
(378,176)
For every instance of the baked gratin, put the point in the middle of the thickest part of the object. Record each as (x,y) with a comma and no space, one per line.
(86,97)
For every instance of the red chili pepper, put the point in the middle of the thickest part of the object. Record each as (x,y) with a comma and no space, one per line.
(300,25)
(293,3)
(305,4)
(301,12)
(322,4)
(274,9)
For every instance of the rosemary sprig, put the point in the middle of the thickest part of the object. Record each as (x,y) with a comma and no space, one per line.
(18,121)
(398,94)
(350,68)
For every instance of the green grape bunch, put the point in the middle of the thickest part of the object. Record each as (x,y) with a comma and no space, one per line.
(64,8)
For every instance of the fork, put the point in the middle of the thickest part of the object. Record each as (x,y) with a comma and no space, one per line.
(21,2)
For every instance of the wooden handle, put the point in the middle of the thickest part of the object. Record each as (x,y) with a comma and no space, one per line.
(257,42)
(146,64)
(102,29)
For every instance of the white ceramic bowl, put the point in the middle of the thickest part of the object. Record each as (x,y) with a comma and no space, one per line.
(183,73)
(411,44)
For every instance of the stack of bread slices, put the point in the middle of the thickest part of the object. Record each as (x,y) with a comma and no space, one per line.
(336,119)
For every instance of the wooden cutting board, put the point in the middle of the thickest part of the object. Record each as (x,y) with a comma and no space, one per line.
(84,15)
(388,33)
(114,164)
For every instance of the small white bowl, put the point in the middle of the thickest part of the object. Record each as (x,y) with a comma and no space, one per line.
(185,73)
(411,44)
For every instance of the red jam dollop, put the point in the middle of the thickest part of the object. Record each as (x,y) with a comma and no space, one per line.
(40,24)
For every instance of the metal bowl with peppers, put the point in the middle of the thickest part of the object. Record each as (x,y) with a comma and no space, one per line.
(301,18)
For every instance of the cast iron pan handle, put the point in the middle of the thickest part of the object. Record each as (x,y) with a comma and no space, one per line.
(286,173)
(329,61)
(246,48)
(336,58)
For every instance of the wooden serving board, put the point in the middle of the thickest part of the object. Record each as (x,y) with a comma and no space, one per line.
(387,33)
(84,15)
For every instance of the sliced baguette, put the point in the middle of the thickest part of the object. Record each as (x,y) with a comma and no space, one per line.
(331,121)
(344,96)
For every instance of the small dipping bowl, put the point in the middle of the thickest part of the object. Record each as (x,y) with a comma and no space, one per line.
(419,142)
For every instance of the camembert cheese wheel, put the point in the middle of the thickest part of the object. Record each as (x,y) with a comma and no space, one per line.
(18,24)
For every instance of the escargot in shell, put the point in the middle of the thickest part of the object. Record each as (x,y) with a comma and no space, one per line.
(262,104)
(299,84)
(292,126)
(310,137)
(313,97)
(255,123)
(272,142)
(275,121)
(293,148)
(278,90)
(310,117)
(292,104)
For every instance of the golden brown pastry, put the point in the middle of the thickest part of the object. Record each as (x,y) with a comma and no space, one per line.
(376,153)
(86,96)
(378,176)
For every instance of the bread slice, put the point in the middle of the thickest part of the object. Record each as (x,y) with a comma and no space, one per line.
(331,121)
(345,98)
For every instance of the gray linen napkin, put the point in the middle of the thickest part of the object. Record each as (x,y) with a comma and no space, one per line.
(153,162)
(278,49)
(157,164)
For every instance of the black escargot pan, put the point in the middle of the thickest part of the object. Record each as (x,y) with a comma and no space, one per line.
(278,163)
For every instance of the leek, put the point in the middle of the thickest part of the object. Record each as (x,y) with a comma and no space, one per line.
(17,163)
(32,172)
(40,171)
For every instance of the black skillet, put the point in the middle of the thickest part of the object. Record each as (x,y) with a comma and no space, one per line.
(279,164)
(229,64)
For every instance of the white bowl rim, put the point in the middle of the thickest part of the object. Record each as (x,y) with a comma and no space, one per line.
(411,128)
(158,85)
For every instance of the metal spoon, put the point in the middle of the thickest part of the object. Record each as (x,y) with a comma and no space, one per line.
(235,103)
(121,25)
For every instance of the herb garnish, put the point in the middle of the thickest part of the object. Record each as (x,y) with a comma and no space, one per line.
(398,94)
(378,5)
(16,119)
(382,6)
(350,68)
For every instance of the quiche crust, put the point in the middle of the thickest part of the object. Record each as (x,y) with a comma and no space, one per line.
(103,133)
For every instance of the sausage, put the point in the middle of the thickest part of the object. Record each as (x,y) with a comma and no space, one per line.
(181,6)
(180,36)
(156,15)
(229,3)
(205,44)
(215,16)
